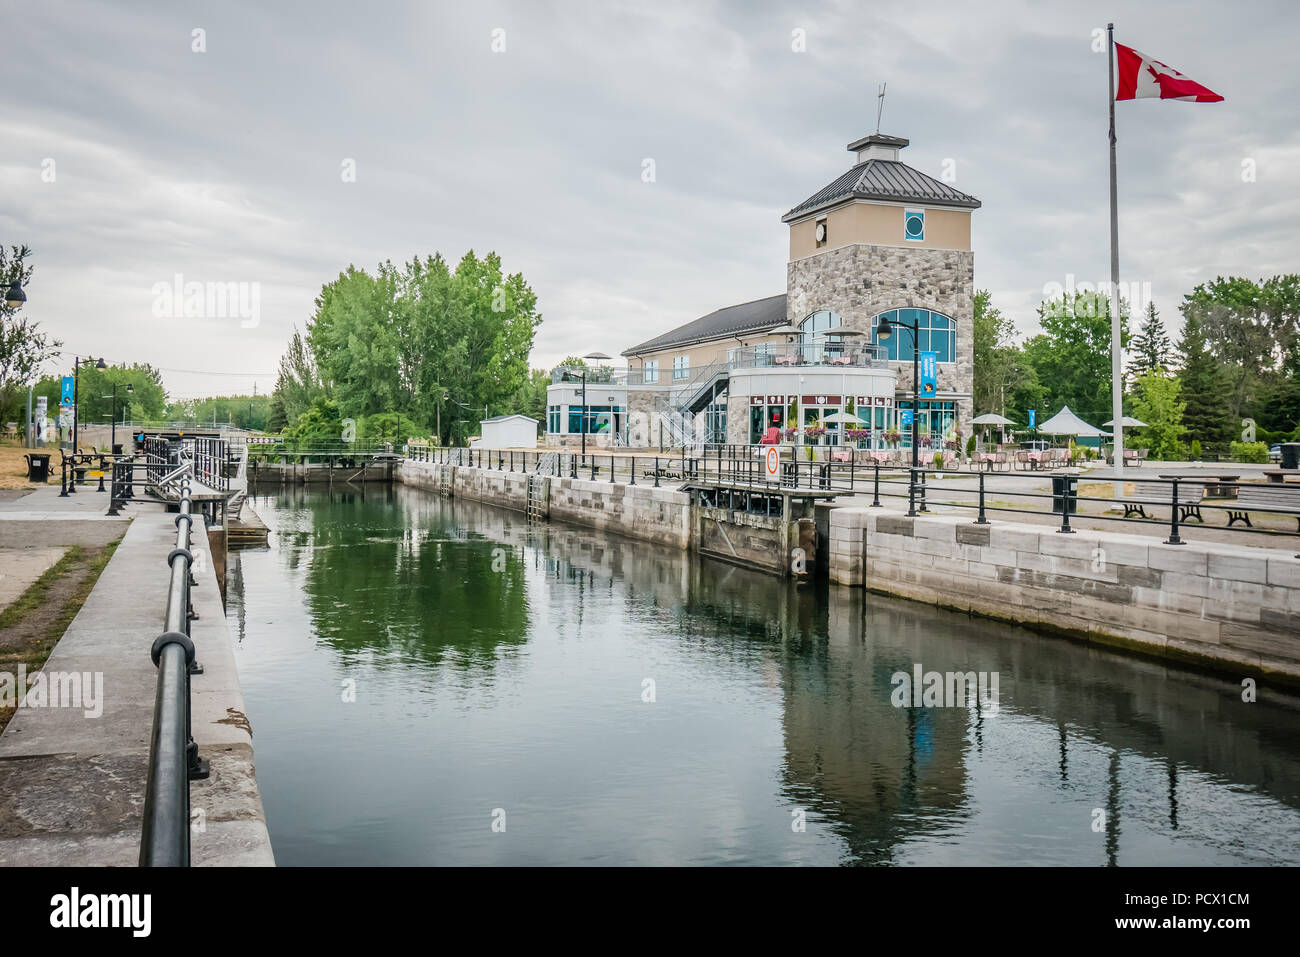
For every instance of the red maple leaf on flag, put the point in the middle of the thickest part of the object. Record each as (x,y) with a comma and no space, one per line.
(1143,76)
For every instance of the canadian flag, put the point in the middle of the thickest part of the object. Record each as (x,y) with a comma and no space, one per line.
(1142,76)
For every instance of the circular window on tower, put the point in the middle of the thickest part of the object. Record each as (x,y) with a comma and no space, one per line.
(914,225)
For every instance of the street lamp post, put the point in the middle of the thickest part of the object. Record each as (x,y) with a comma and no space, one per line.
(112,441)
(883,332)
(599,357)
(78,362)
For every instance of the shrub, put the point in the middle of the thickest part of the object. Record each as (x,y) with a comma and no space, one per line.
(970,447)
(1196,450)
(1254,452)
(938,460)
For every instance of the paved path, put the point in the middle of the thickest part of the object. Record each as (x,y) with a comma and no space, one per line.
(1025,497)
(72,783)
(19,567)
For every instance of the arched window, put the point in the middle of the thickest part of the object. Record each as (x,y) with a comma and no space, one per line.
(936,333)
(816,337)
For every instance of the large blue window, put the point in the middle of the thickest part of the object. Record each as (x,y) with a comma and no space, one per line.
(937,333)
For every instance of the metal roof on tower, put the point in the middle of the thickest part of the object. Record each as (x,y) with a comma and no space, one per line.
(880,175)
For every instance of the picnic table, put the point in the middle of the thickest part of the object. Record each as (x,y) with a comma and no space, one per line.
(1279,476)
(1217,485)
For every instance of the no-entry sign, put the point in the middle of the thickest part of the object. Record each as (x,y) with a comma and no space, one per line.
(771,461)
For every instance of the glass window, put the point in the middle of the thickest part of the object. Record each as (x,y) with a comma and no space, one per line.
(681,367)
(936,333)
(652,371)
(815,337)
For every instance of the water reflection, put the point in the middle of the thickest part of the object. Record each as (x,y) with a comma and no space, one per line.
(504,665)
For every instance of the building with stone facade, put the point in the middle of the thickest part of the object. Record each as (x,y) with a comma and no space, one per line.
(881,240)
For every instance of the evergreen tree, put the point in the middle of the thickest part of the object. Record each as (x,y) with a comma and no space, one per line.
(1151,348)
(1203,387)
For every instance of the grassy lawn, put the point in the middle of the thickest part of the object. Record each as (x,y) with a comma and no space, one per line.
(13,467)
(37,619)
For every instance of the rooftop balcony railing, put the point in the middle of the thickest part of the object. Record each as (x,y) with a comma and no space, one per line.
(599,375)
(834,355)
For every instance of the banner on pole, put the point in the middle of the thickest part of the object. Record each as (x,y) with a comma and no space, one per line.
(929,374)
(68,389)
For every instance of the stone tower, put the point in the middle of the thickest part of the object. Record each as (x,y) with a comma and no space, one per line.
(884,236)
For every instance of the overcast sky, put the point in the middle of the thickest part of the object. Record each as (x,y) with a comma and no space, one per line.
(228,165)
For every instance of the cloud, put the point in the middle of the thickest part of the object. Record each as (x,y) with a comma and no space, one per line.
(225,166)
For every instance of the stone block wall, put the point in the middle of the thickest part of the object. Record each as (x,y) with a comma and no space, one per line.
(661,515)
(860,282)
(1225,606)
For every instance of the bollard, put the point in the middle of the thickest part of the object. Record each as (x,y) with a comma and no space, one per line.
(1174,538)
(981,520)
(875,502)
(656,471)
(1066,490)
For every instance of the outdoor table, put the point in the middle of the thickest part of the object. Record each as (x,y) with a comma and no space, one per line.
(1279,476)
(1217,485)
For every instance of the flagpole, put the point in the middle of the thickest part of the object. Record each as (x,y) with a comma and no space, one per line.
(1116,343)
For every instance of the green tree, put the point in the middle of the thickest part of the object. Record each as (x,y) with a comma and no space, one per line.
(241,411)
(23,346)
(1203,388)
(298,383)
(530,399)
(402,339)
(1151,350)
(147,400)
(1248,327)
(1278,409)
(1156,402)
(1071,357)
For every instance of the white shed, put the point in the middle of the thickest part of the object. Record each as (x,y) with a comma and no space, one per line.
(507,432)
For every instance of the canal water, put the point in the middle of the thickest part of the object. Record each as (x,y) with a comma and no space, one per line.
(439,682)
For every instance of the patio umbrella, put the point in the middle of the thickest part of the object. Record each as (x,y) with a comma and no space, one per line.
(991,418)
(1128,422)
(1066,422)
(843,418)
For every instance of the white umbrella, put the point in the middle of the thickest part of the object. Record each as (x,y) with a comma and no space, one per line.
(1066,422)
(1128,422)
(991,418)
(843,417)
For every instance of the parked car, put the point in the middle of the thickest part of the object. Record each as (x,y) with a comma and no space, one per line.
(1275,452)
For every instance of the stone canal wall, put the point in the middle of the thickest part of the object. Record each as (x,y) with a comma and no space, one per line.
(661,515)
(1203,603)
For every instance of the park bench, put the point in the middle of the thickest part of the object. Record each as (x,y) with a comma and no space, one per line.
(1271,499)
(1162,493)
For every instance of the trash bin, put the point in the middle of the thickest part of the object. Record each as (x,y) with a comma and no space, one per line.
(38,467)
(117,449)
(1065,490)
(1291,455)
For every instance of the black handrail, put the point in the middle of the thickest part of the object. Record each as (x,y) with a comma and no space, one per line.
(714,467)
(173,756)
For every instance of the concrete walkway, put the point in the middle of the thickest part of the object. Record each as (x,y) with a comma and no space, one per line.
(72,784)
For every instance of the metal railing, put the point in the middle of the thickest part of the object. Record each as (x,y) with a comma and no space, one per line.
(1189,496)
(173,755)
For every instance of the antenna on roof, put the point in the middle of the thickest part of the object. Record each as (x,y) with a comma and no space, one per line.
(880,105)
